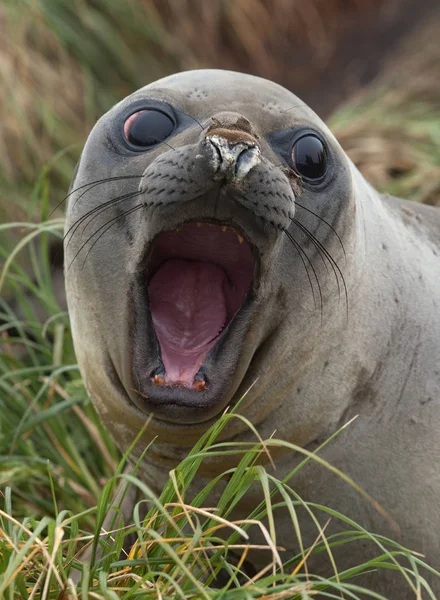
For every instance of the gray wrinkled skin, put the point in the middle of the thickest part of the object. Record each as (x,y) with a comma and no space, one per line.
(315,369)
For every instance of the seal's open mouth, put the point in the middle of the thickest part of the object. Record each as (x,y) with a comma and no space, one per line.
(198,278)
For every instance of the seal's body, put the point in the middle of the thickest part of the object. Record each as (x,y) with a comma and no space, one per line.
(217,235)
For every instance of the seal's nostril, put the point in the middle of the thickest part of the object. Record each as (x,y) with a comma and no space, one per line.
(215,155)
(232,160)
(248,158)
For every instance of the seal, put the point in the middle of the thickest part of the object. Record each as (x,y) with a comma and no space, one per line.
(219,240)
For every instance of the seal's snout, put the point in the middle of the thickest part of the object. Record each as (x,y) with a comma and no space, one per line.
(232,153)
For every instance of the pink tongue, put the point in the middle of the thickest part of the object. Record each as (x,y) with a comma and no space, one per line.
(188,308)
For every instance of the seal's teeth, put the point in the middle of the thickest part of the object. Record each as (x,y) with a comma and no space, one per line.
(199,385)
(159,380)
(240,238)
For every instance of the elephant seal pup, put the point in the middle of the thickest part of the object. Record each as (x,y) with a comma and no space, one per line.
(217,235)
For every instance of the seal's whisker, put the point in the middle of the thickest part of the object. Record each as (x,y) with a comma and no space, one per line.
(110,224)
(321,255)
(97,210)
(162,142)
(90,186)
(302,253)
(319,246)
(324,221)
(104,227)
(104,208)
(292,107)
(193,118)
(330,258)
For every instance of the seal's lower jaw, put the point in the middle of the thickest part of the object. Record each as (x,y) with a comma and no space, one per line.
(199,276)
(191,316)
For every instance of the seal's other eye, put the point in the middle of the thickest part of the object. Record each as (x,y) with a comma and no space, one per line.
(309,157)
(146,128)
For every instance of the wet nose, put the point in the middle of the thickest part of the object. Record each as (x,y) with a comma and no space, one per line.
(232,157)
(232,146)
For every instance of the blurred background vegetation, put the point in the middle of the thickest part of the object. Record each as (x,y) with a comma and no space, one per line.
(370,67)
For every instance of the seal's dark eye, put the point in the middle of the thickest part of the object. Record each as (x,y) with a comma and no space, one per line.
(309,157)
(147,128)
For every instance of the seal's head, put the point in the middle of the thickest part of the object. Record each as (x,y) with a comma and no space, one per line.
(203,240)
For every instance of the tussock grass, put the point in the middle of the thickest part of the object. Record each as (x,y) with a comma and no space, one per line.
(58,471)
(400,155)
(391,130)
(63,63)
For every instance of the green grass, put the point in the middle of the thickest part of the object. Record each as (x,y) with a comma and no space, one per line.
(59,468)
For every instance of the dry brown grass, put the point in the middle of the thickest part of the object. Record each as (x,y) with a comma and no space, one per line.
(36,72)
(391,131)
(63,63)
(301,45)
